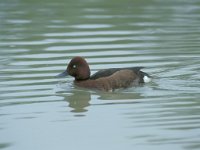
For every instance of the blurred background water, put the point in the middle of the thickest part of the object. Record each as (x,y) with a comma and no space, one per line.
(39,111)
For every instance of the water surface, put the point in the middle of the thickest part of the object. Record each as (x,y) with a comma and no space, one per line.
(39,111)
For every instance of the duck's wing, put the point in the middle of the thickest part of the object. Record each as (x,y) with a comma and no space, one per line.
(108,72)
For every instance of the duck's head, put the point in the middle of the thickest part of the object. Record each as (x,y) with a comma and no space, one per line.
(77,68)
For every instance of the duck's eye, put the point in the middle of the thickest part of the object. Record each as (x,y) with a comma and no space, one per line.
(74,66)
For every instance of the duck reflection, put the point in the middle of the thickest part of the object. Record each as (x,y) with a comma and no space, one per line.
(78,100)
(123,97)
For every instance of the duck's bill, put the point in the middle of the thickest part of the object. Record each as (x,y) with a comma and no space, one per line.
(63,74)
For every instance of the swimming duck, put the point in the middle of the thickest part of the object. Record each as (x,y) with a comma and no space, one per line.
(106,79)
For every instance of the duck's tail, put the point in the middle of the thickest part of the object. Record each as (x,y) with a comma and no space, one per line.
(144,77)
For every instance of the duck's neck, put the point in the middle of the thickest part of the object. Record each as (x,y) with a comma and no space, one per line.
(79,80)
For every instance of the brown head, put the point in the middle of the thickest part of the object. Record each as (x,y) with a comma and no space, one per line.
(77,68)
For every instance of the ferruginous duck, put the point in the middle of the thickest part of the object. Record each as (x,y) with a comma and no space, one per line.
(106,79)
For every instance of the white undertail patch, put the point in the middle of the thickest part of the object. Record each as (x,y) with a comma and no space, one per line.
(146,79)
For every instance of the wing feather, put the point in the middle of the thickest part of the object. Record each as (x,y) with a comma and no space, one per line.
(108,72)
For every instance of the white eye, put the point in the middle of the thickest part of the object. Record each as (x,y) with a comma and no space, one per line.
(74,66)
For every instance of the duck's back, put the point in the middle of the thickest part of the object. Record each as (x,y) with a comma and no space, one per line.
(111,71)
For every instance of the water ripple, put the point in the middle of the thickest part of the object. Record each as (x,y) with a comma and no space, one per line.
(38,42)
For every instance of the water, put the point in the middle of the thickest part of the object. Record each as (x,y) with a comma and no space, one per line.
(37,40)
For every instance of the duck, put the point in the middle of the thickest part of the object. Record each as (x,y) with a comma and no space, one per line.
(106,79)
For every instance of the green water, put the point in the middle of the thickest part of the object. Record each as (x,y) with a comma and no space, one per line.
(41,112)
